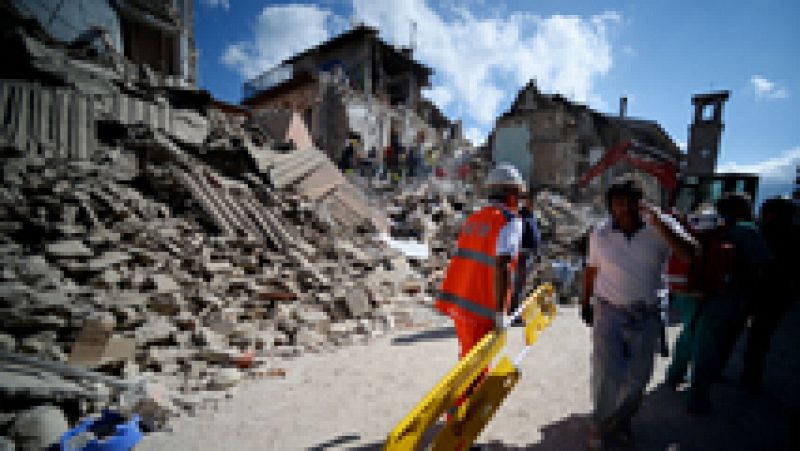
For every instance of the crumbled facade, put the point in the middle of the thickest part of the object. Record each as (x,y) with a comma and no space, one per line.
(355,85)
(158,34)
(553,141)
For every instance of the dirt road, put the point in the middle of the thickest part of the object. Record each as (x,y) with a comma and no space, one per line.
(351,398)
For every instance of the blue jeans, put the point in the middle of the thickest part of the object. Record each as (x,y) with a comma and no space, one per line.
(624,341)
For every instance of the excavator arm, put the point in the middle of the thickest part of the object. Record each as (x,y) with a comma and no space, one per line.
(665,172)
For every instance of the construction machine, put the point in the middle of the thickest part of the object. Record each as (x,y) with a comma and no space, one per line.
(684,192)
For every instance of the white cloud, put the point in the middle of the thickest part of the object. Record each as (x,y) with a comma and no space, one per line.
(563,53)
(777,169)
(766,89)
(475,135)
(480,62)
(224,4)
(440,95)
(280,32)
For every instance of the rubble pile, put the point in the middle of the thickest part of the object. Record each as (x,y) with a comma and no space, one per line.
(565,229)
(158,247)
(146,236)
(433,211)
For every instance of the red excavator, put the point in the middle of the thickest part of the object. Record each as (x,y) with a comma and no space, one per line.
(685,193)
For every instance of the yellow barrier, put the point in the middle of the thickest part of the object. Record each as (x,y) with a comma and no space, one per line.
(476,411)
(409,432)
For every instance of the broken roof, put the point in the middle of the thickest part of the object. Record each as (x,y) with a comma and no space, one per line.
(355,34)
(286,86)
(393,56)
(643,129)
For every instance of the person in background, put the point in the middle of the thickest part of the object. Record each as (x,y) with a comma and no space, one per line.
(627,253)
(415,155)
(395,161)
(780,286)
(348,154)
(686,296)
(388,158)
(361,162)
(724,313)
(402,161)
(531,238)
(372,161)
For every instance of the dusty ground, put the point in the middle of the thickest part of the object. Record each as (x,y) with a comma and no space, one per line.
(352,398)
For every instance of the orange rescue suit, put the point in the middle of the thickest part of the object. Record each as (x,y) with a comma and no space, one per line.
(467,293)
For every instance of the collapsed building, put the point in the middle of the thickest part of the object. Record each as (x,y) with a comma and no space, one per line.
(157,245)
(356,84)
(157,34)
(553,141)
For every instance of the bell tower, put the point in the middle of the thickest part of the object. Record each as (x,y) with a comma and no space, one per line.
(705,132)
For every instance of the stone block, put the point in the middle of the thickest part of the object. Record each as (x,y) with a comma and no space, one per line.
(96,345)
(38,427)
(153,403)
(309,338)
(68,249)
(7,342)
(357,301)
(156,330)
(224,378)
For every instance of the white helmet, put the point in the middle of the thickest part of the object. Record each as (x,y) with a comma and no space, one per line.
(505,174)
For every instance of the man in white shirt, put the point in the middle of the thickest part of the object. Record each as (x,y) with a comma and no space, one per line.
(627,254)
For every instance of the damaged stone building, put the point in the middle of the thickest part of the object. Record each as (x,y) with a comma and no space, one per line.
(355,84)
(158,34)
(553,141)
(149,232)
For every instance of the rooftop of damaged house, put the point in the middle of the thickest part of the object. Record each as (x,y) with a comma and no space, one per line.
(162,248)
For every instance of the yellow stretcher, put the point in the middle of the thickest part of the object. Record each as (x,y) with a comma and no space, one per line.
(421,428)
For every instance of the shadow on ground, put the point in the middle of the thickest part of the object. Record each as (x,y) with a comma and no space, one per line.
(336,442)
(442,333)
(740,420)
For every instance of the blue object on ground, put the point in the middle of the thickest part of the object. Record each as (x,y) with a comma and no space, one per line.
(126,434)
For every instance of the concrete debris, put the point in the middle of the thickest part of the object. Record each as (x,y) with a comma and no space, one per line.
(430,216)
(96,346)
(159,247)
(39,427)
(154,239)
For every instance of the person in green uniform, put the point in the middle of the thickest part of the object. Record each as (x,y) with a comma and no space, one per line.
(723,314)
(688,302)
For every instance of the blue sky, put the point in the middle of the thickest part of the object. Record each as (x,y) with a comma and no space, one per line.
(658,53)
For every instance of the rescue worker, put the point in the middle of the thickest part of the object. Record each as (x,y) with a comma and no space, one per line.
(476,289)
(687,291)
(622,277)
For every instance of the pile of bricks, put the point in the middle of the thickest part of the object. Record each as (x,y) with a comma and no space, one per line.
(154,255)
